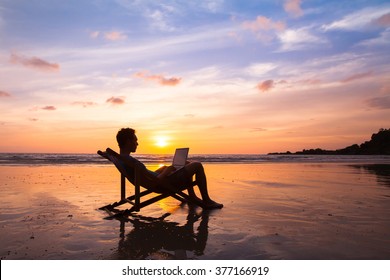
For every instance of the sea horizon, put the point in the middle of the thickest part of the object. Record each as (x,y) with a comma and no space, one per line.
(94,159)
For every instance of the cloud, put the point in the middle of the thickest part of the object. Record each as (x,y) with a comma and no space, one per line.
(383,20)
(111,35)
(266,85)
(159,78)
(235,36)
(159,20)
(310,82)
(49,108)
(357,77)
(33,119)
(116,100)
(212,5)
(4,94)
(34,62)
(298,39)
(263,23)
(382,102)
(383,39)
(293,8)
(94,34)
(170,81)
(85,104)
(259,69)
(264,28)
(115,36)
(159,15)
(361,19)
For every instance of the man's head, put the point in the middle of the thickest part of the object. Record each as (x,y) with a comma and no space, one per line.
(127,139)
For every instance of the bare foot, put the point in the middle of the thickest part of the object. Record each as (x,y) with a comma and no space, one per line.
(212,205)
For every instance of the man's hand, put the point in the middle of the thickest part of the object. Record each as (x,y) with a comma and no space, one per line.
(171,169)
(166,172)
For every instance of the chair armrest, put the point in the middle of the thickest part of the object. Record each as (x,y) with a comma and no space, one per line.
(103,154)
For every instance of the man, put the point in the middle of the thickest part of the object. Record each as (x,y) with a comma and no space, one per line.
(128,142)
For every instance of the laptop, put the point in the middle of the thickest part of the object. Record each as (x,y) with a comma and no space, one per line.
(180,158)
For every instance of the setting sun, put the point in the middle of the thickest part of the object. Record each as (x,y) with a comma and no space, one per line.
(161,141)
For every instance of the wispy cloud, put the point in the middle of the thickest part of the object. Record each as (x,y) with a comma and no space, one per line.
(159,21)
(309,82)
(293,8)
(157,15)
(299,39)
(34,62)
(49,108)
(116,100)
(84,104)
(4,94)
(94,34)
(357,76)
(382,102)
(382,40)
(361,19)
(264,28)
(259,69)
(173,81)
(212,5)
(109,35)
(383,21)
(115,36)
(266,85)
(263,23)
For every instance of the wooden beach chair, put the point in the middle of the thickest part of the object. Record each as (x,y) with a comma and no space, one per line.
(158,189)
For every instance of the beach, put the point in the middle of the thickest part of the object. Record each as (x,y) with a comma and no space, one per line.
(276,210)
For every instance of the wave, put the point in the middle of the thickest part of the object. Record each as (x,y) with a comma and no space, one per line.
(94,159)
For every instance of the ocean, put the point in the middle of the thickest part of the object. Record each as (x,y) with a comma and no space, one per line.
(32,159)
(287,207)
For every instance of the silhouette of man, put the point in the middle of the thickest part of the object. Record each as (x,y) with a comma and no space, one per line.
(128,142)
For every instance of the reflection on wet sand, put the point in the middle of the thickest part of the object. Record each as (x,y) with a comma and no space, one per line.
(382,171)
(272,211)
(156,238)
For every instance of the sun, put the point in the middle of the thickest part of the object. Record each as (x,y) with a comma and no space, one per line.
(161,141)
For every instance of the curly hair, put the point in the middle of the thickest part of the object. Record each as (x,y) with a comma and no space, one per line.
(123,135)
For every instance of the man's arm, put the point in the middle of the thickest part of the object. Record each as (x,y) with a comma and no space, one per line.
(165,171)
(161,169)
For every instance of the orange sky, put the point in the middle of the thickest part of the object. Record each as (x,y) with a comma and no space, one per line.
(217,77)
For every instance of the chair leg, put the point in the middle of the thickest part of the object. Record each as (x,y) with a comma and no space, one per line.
(135,200)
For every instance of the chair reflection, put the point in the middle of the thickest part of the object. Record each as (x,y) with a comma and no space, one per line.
(382,172)
(156,238)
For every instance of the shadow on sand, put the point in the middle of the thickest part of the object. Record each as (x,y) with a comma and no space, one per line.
(156,238)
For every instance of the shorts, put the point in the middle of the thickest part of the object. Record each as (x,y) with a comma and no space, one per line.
(180,179)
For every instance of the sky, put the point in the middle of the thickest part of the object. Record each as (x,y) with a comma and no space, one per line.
(218,76)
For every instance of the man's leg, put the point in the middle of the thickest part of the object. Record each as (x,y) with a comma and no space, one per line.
(196,168)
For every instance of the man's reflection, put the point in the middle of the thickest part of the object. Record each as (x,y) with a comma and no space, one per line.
(155,238)
(382,171)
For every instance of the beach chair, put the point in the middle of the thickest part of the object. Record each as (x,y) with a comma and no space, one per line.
(155,188)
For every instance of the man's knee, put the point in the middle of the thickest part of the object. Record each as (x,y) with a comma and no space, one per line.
(196,167)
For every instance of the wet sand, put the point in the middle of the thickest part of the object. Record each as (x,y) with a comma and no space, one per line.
(287,211)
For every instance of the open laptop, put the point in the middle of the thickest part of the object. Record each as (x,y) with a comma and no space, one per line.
(180,158)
